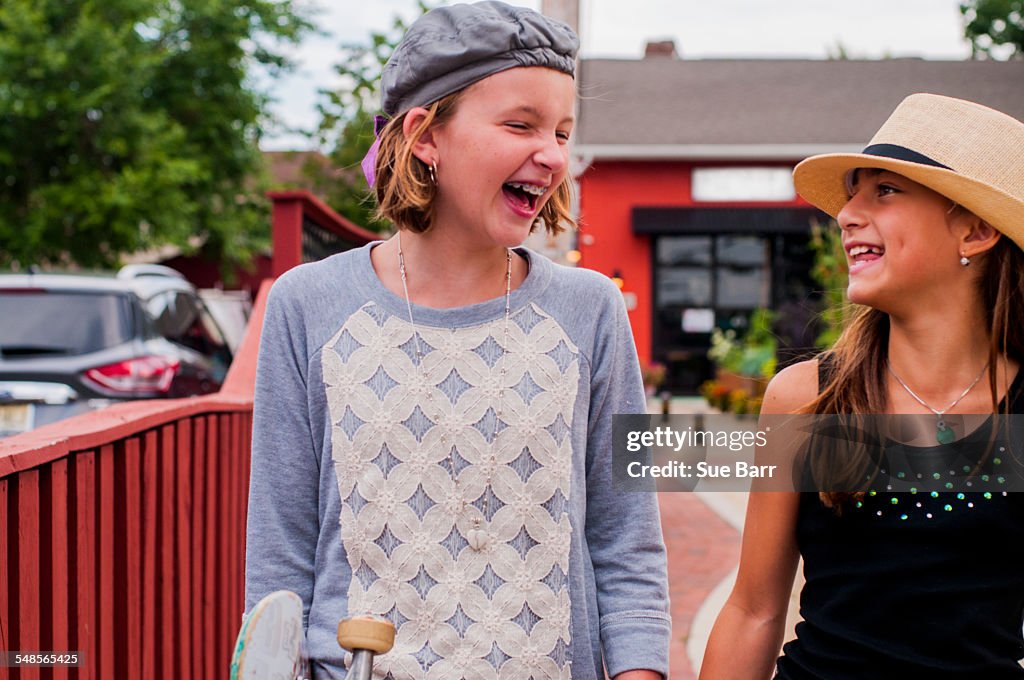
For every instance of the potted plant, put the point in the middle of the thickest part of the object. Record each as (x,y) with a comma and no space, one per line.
(745,363)
(738,400)
(716,394)
(653,375)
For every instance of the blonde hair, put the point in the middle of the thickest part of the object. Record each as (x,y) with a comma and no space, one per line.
(404,188)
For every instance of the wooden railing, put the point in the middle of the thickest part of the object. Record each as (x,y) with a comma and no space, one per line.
(307,229)
(122,534)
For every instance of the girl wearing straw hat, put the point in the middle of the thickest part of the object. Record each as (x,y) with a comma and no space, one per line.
(433,413)
(902,585)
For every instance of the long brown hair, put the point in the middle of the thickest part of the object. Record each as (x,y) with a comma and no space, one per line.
(856,377)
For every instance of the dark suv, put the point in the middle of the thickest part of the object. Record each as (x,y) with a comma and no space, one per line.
(72,343)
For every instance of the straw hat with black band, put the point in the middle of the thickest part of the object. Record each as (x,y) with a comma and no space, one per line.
(969,153)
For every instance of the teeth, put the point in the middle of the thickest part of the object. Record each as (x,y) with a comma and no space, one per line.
(528,188)
(860,250)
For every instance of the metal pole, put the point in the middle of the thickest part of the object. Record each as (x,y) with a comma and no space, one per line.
(362,665)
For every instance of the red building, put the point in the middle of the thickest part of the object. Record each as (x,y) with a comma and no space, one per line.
(686,194)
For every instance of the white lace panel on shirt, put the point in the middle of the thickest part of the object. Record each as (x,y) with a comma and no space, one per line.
(398,429)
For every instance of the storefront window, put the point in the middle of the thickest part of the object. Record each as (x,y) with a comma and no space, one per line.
(688,286)
(741,250)
(712,267)
(682,250)
(740,276)
(741,288)
(719,277)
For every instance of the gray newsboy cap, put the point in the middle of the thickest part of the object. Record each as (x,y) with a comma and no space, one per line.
(450,48)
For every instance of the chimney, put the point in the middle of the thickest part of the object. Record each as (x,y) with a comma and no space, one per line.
(661,49)
(563,10)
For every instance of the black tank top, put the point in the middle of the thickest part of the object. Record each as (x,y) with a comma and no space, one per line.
(911,586)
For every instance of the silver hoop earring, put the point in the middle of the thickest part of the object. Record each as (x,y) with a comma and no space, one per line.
(964,260)
(432,169)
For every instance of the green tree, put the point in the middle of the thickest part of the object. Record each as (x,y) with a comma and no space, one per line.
(347,115)
(127,124)
(994,26)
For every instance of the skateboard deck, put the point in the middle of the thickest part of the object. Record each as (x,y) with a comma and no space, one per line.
(270,644)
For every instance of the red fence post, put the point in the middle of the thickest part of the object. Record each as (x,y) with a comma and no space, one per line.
(105,494)
(150,552)
(290,209)
(168,641)
(6,615)
(287,234)
(183,548)
(60,563)
(28,633)
(86,532)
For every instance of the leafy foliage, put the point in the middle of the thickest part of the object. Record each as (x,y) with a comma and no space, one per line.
(831,272)
(653,374)
(754,355)
(127,124)
(994,26)
(346,119)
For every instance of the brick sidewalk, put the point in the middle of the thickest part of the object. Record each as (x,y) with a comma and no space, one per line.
(702,550)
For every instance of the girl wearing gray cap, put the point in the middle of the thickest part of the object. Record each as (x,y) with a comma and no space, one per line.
(920,582)
(432,437)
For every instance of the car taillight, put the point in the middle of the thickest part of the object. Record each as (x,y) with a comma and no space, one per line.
(145,374)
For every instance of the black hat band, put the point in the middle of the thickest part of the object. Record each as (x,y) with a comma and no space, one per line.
(902,153)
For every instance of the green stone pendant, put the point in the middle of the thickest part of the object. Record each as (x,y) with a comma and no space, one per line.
(944,434)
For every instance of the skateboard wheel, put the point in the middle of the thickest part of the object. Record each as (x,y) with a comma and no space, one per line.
(366,633)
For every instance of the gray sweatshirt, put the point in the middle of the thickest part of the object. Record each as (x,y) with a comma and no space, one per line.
(354,506)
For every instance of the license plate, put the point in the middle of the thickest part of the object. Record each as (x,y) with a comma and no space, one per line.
(15,418)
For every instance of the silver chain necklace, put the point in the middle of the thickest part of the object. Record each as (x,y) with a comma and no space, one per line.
(943,433)
(477,536)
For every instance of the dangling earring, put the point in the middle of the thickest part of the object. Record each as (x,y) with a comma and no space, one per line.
(432,169)
(964,260)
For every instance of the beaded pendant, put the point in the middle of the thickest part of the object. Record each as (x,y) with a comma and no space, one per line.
(943,432)
(477,539)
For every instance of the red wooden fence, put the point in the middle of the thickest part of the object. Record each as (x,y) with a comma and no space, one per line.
(122,534)
(307,229)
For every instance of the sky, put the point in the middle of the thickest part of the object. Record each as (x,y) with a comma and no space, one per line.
(701,29)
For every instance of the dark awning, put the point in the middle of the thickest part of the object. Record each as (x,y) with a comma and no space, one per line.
(725,220)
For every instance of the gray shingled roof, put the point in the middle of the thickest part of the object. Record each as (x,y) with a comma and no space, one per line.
(741,102)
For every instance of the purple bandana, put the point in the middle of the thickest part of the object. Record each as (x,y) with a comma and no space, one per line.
(369,163)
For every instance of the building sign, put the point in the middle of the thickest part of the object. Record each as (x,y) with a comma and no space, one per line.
(742,184)
(698,320)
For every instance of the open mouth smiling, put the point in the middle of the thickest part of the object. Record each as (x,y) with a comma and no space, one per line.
(861,255)
(523,194)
